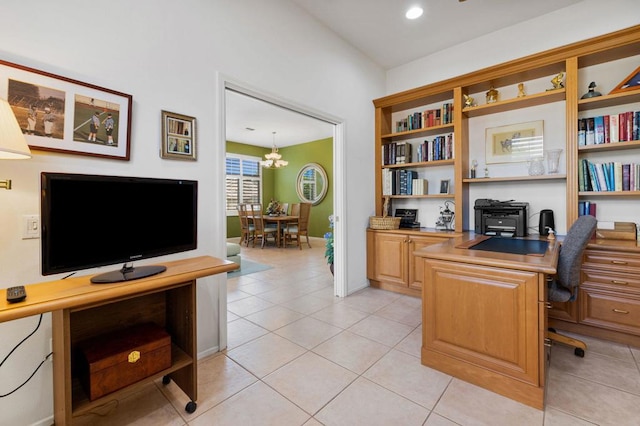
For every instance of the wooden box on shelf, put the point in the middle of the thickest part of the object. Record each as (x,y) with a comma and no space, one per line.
(115,360)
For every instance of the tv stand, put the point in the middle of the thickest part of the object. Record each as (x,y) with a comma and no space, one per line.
(80,310)
(128,273)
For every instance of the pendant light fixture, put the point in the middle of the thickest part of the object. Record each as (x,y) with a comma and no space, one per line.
(273,159)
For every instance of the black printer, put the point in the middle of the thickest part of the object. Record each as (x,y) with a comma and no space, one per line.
(501,218)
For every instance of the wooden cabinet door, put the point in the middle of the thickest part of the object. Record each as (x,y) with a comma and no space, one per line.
(389,263)
(416,264)
(485,316)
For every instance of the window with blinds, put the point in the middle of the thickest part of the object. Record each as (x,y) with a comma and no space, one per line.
(244,181)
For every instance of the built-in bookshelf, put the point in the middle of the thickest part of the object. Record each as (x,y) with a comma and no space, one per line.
(401,118)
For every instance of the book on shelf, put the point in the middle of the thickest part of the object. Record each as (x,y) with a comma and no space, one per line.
(598,123)
(622,127)
(608,176)
(420,187)
(586,208)
(613,128)
(423,119)
(590,131)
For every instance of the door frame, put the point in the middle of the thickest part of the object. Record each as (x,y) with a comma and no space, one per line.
(225,82)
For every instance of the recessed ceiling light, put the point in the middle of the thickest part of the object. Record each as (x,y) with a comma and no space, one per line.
(414,13)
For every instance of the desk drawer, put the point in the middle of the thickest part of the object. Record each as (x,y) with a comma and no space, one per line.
(609,310)
(612,261)
(610,280)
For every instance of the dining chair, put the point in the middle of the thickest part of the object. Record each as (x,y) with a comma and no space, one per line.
(247,229)
(262,229)
(284,208)
(295,209)
(299,228)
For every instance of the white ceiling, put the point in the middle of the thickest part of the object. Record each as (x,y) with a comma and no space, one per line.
(379,29)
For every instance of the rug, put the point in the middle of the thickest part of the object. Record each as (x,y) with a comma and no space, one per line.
(248,267)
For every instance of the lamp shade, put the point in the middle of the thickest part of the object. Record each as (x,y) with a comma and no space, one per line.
(13,145)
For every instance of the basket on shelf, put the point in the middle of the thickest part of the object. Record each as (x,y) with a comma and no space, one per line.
(384,221)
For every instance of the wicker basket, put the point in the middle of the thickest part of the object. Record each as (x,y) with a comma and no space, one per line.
(384,222)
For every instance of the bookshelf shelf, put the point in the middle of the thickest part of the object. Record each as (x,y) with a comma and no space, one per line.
(416,133)
(421,164)
(515,178)
(615,146)
(609,193)
(510,104)
(422,196)
(604,101)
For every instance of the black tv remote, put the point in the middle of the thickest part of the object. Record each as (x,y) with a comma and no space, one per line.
(16,294)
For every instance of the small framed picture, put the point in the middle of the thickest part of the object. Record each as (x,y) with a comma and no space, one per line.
(444,186)
(178,137)
(632,82)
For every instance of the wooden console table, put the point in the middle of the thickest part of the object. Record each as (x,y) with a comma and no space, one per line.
(484,317)
(81,309)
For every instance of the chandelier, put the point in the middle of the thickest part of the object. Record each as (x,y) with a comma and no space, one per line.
(273,159)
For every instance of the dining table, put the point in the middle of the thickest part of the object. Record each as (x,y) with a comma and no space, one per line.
(280,220)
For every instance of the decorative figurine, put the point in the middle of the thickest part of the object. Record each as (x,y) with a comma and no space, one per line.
(474,165)
(492,95)
(468,101)
(557,82)
(592,92)
(486,172)
(521,90)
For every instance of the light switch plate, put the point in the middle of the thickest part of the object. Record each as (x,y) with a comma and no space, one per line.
(30,226)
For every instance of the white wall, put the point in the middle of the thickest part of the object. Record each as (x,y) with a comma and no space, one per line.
(167,55)
(583,20)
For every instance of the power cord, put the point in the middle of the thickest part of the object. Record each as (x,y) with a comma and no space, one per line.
(14,349)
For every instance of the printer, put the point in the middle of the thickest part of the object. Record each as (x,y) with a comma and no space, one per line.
(501,218)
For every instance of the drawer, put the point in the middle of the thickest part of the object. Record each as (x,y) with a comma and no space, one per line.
(612,261)
(610,310)
(610,280)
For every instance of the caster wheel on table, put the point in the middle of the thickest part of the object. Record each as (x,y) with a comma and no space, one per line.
(579,352)
(166,380)
(191,407)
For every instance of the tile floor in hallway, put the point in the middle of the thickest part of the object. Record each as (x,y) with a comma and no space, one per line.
(297,355)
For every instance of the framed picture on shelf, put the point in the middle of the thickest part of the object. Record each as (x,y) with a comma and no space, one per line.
(178,137)
(632,82)
(514,143)
(444,186)
(59,114)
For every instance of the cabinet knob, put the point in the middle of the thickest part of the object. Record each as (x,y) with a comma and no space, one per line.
(619,262)
(619,311)
(547,342)
(619,282)
(549,305)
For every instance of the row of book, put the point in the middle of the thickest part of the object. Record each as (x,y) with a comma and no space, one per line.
(609,128)
(608,176)
(403,182)
(428,118)
(586,208)
(439,148)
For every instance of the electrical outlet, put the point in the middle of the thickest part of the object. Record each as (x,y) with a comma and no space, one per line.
(30,226)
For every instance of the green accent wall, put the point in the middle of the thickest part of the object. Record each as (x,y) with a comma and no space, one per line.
(280,184)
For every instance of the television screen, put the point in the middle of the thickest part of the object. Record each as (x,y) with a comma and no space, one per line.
(91,220)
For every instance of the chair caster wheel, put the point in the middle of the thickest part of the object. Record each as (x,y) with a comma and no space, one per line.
(579,352)
(190,407)
(166,380)
(551,329)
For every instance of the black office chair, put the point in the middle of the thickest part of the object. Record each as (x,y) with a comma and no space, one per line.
(563,287)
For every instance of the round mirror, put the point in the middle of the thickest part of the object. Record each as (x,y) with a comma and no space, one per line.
(312,183)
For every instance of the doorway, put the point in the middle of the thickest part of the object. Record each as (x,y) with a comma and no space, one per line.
(227,85)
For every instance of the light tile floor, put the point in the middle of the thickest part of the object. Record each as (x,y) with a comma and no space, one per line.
(297,355)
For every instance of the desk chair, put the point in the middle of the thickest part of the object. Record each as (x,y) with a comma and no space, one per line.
(563,287)
(299,228)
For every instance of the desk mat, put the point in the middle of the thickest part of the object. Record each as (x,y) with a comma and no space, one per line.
(512,245)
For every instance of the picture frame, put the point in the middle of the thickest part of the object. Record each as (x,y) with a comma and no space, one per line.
(60,114)
(444,186)
(631,82)
(178,137)
(514,143)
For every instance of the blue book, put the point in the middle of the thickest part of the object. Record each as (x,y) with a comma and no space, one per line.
(599,129)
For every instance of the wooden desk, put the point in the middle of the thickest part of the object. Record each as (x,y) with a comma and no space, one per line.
(280,220)
(484,317)
(81,309)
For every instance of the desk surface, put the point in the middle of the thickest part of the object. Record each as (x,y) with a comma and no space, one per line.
(77,291)
(454,250)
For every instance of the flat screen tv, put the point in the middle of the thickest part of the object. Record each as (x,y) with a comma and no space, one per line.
(92,220)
